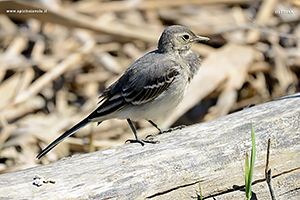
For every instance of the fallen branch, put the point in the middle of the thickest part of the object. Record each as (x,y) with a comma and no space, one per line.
(212,150)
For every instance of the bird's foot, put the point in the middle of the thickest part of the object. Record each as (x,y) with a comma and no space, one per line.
(171,129)
(143,141)
(162,131)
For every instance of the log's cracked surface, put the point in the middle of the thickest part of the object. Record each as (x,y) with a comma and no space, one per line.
(213,152)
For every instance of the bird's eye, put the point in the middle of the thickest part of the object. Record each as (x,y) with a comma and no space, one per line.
(186,37)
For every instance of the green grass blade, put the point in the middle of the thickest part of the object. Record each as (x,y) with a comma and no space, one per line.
(200,191)
(252,161)
(247,169)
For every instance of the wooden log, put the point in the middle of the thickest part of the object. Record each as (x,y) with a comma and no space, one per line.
(213,152)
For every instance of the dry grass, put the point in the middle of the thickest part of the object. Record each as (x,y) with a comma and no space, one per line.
(55,64)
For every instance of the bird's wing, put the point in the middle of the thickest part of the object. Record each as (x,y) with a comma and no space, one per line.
(149,84)
(137,86)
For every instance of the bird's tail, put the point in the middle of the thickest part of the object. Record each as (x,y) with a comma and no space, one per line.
(69,132)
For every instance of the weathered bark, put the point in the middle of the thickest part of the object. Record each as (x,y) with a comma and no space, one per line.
(213,152)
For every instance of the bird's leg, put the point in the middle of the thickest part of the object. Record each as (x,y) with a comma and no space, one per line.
(137,138)
(161,130)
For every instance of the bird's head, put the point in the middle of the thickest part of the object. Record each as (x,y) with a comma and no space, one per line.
(178,38)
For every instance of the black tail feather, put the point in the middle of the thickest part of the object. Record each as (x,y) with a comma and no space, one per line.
(69,132)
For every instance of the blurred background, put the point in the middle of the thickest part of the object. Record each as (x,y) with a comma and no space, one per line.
(57,56)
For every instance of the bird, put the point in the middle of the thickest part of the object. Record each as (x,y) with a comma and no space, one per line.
(150,88)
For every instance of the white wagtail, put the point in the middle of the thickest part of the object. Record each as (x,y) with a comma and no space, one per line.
(150,88)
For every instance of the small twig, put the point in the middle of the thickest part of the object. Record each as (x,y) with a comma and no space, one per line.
(269,182)
(268,156)
(268,173)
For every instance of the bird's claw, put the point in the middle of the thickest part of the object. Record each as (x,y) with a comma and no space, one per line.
(162,131)
(142,141)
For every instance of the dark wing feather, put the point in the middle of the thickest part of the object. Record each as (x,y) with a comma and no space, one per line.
(137,86)
(111,99)
(144,89)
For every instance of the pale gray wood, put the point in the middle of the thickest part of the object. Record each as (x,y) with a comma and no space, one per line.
(213,151)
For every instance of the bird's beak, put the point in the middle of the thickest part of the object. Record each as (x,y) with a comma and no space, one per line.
(199,38)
